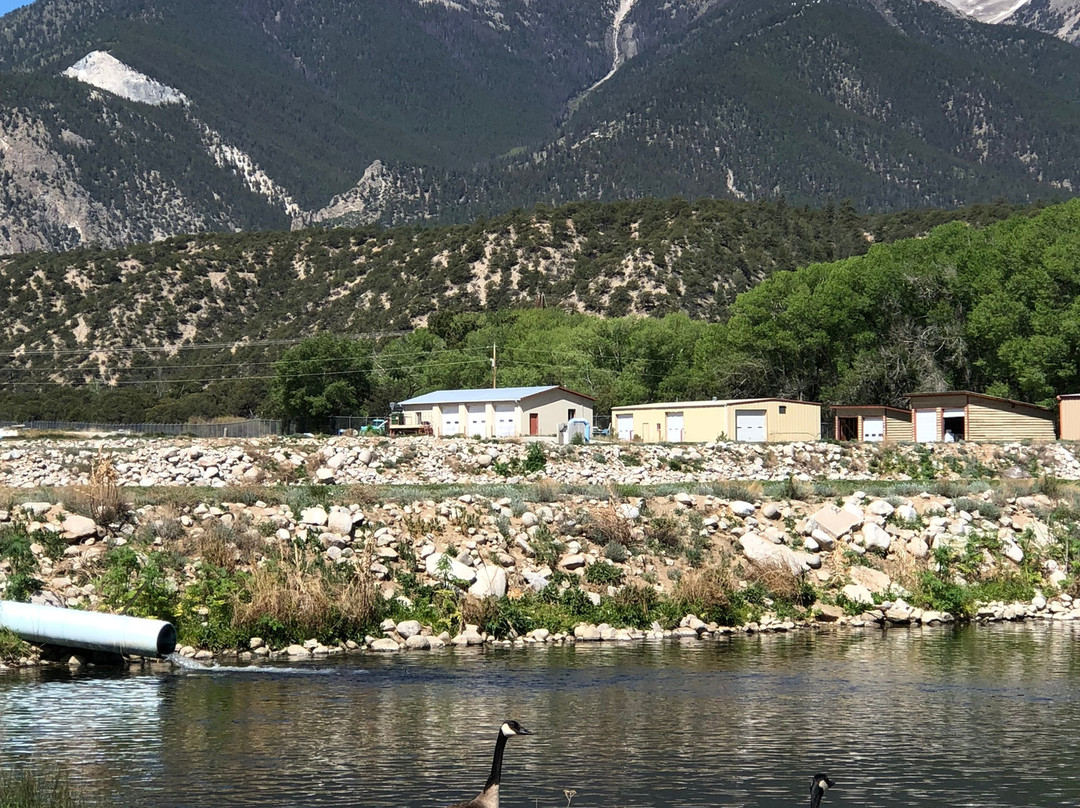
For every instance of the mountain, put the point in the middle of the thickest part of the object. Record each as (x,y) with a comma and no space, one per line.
(133,120)
(1060,18)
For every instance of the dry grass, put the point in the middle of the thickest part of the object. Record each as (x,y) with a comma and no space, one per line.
(605,525)
(777,579)
(102,500)
(479,611)
(546,490)
(296,593)
(709,588)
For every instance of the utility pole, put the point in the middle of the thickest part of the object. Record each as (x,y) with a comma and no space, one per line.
(493,368)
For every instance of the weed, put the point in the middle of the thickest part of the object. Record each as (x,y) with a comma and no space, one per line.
(12,647)
(603,573)
(31,788)
(616,552)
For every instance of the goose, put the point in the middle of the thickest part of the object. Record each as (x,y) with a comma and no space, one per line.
(818,786)
(489,797)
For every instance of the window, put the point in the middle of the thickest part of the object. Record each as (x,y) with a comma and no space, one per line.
(783,409)
(570,413)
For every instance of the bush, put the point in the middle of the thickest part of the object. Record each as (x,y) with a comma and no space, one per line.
(535,458)
(616,552)
(665,532)
(603,573)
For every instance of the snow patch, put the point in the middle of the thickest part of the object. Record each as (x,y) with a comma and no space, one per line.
(106,72)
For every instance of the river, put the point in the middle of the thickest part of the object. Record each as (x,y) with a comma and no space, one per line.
(979,716)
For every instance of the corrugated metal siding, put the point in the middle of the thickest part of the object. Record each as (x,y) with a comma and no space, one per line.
(987,421)
(897,423)
(710,421)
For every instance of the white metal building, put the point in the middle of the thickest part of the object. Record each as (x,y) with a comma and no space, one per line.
(501,412)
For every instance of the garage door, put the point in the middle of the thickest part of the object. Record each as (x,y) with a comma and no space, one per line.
(624,425)
(926,426)
(873,430)
(451,422)
(505,420)
(750,426)
(674,426)
(478,420)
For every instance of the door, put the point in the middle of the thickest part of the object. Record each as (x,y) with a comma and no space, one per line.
(478,420)
(674,427)
(926,426)
(534,423)
(873,430)
(451,421)
(750,426)
(624,424)
(505,421)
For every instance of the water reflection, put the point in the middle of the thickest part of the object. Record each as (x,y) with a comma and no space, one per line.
(974,717)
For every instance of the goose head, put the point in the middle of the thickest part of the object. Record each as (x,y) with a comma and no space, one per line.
(818,786)
(514,728)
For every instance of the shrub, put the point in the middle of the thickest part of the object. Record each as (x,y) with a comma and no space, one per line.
(665,532)
(535,458)
(138,585)
(616,552)
(603,573)
(12,647)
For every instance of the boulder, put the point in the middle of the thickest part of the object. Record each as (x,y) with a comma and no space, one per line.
(836,522)
(339,521)
(76,527)
(741,508)
(763,552)
(874,537)
(439,565)
(490,582)
(313,516)
(857,593)
(407,628)
(873,580)
(385,644)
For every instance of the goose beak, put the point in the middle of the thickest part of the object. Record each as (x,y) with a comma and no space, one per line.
(523,731)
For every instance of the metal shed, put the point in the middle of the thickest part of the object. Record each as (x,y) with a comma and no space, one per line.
(1069,416)
(872,424)
(963,415)
(500,412)
(754,420)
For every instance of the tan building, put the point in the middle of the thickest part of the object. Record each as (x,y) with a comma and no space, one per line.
(501,412)
(756,420)
(961,415)
(872,424)
(1069,416)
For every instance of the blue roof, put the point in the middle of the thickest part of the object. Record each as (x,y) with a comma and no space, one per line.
(481,395)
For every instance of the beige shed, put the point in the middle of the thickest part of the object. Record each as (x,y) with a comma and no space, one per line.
(962,415)
(755,420)
(872,424)
(1069,416)
(499,412)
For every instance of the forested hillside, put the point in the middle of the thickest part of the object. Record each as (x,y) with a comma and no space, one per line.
(191,327)
(406,111)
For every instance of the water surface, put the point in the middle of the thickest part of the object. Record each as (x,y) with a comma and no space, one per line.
(975,717)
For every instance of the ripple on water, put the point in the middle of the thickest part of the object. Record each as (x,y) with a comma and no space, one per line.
(932,716)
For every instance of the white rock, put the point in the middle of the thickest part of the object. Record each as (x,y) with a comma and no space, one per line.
(741,508)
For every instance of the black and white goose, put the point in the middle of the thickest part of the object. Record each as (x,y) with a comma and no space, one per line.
(818,786)
(489,797)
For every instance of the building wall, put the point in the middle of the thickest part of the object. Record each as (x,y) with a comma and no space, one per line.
(1069,417)
(898,427)
(801,420)
(709,421)
(552,408)
(897,422)
(990,420)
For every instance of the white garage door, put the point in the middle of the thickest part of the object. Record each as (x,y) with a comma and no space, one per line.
(674,426)
(926,426)
(478,420)
(873,429)
(624,425)
(451,421)
(505,421)
(750,426)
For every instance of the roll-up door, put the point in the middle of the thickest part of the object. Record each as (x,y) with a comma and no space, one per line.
(873,430)
(750,426)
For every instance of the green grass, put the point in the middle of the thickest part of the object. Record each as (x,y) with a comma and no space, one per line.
(33,787)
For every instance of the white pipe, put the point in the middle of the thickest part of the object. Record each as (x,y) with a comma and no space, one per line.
(93,630)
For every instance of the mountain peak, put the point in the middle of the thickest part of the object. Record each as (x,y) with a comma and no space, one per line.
(104,71)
